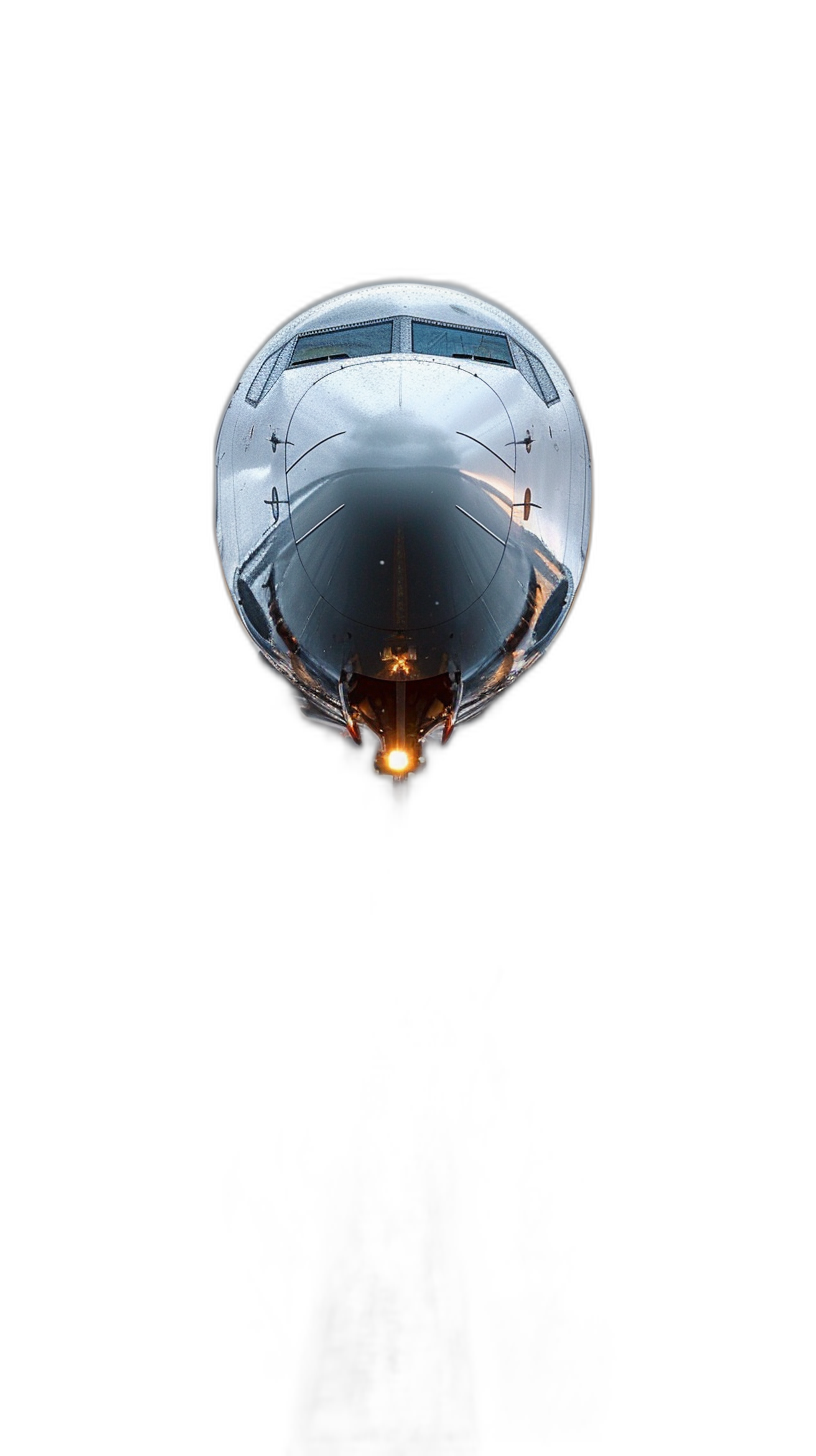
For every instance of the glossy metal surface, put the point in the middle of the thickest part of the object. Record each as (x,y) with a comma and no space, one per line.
(402,533)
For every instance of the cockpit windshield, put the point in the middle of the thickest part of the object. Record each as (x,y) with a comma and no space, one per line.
(355,342)
(452,342)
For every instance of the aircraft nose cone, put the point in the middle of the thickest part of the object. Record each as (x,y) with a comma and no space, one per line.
(400,480)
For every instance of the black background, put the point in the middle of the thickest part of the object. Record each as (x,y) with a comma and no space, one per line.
(469,952)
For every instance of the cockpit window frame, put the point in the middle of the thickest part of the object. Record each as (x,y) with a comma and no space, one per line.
(529,365)
(268,374)
(295,363)
(482,333)
(534,371)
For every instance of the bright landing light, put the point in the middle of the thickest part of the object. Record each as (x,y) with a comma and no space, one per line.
(398,760)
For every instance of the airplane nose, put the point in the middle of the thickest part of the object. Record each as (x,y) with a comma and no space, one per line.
(403,507)
(400,482)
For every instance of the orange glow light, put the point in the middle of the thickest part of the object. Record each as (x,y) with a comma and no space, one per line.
(397,760)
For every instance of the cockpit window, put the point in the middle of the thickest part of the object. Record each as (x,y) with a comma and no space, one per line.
(260,384)
(532,369)
(452,342)
(350,342)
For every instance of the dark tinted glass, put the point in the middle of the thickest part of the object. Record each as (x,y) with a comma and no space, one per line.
(352,343)
(455,343)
